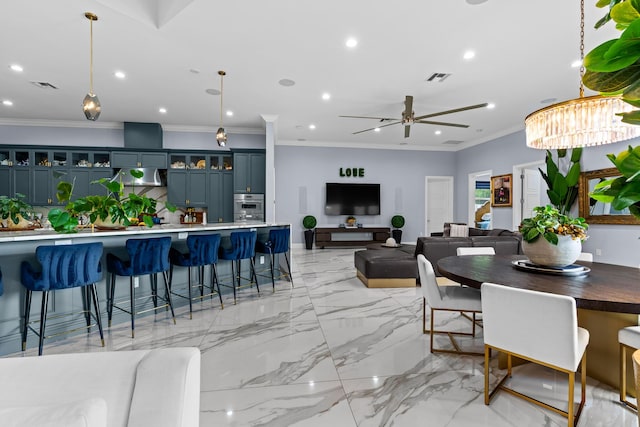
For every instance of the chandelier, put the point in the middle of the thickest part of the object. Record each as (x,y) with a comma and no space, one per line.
(581,122)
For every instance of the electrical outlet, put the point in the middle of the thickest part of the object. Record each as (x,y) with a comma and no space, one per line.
(598,252)
(261,259)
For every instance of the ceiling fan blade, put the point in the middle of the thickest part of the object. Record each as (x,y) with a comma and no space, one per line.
(383,126)
(408,106)
(407,130)
(455,110)
(428,122)
(368,117)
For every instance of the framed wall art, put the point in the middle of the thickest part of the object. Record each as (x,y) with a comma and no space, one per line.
(501,186)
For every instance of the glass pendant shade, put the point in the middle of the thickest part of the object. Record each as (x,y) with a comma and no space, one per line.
(91,107)
(221,137)
(580,122)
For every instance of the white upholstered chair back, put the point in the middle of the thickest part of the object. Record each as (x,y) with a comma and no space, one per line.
(537,325)
(476,250)
(430,288)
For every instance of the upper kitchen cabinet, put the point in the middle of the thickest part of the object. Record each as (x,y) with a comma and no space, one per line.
(187,180)
(127,159)
(86,168)
(48,169)
(6,181)
(249,172)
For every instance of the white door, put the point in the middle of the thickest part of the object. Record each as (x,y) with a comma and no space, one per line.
(531,192)
(438,202)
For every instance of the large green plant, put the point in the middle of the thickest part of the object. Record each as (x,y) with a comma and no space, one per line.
(562,188)
(613,68)
(622,192)
(12,208)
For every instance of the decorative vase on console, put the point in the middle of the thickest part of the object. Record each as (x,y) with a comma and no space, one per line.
(551,239)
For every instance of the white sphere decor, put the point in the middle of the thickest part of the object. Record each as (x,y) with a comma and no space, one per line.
(543,253)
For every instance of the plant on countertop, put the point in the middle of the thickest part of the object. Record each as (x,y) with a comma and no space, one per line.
(397,221)
(309,222)
(562,189)
(115,205)
(550,223)
(14,209)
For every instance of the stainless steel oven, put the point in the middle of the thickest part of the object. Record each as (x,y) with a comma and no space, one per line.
(248,207)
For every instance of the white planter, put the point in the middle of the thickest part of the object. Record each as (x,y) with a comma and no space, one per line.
(543,253)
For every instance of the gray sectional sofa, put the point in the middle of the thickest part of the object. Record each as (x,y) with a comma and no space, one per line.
(397,267)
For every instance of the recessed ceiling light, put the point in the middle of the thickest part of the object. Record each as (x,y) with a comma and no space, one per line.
(438,132)
(326,96)
(213,91)
(376,130)
(229,413)
(577,63)
(120,74)
(491,105)
(469,54)
(286,82)
(7,103)
(17,68)
(312,126)
(351,42)
(229,113)
(162,110)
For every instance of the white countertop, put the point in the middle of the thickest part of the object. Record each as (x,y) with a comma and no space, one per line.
(49,234)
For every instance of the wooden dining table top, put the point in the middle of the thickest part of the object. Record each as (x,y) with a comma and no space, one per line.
(606,287)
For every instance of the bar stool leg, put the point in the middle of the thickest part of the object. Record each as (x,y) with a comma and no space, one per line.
(253,274)
(189,287)
(214,280)
(86,307)
(154,289)
(43,319)
(94,294)
(201,280)
(233,281)
(132,293)
(272,259)
(286,258)
(166,287)
(27,311)
(111,297)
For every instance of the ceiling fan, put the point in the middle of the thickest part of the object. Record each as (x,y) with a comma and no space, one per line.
(409,118)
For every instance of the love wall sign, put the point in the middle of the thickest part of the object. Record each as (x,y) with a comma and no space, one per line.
(352,172)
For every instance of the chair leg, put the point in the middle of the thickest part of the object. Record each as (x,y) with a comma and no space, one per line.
(572,380)
(94,294)
(286,258)
(487,353)
(86,307)
(272,260)
(233,281)
(154,289)
(27,311)
(189,292)
(43,319)
(201,280)
(132,293)
(112,290)
(166,286)
(253,274)
(214,280)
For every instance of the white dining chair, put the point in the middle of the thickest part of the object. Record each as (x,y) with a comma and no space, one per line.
(539,327)
(628,339)
(446,298)
(475,250)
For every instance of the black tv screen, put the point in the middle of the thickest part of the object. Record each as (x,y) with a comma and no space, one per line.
(352,199)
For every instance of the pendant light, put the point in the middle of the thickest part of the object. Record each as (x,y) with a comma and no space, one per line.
(581,122)
(221,135)
(91,104)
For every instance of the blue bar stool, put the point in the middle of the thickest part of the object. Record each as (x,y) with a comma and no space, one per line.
(65,266)
(203,251)
(243,246)
(278,243)
(146,257)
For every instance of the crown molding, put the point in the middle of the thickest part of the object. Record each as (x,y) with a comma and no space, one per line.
(61,123)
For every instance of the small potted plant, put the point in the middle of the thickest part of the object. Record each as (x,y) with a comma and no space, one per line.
(14,211)
(309,222)
(552,239)
(397,222)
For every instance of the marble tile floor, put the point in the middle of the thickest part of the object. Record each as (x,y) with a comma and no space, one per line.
(331,352)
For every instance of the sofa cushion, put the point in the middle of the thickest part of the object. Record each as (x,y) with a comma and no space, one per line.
(459,230)
(83,413)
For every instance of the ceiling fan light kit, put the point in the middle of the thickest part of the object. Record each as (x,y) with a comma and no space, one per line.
(409,118)
(581,122)
(91,104)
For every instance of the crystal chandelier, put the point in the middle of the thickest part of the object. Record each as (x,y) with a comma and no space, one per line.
(91,103)
(581,122)
(221,135)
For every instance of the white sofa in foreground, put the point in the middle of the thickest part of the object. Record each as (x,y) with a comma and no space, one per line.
(123,388)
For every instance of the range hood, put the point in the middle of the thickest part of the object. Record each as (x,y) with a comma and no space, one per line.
(151,177)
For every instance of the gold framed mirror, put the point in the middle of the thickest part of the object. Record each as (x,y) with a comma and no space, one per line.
(595,212)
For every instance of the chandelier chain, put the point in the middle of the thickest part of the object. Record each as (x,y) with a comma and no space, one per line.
(221,94)
(581,47)
(91,57)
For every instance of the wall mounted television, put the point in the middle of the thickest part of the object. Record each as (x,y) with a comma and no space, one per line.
(352,199)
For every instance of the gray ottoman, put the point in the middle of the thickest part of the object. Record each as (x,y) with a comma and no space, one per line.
(386,268)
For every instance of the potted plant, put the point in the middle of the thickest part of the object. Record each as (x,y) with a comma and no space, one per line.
(14,211)
(551,238)
(562,189)
(622,192)
(309,222)
(113,209)
(397,222)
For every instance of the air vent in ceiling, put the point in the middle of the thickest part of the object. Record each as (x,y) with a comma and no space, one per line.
(453,142)
(44,85)
(438,77)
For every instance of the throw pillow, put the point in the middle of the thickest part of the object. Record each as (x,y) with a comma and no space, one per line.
(459,230)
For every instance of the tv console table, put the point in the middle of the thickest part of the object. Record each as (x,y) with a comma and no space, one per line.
(351,236)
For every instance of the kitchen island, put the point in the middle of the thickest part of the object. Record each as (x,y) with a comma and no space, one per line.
(18,246)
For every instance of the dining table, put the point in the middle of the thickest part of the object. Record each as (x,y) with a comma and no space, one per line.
(607,298)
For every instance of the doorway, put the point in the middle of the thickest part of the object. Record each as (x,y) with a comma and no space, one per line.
(476,200)
(438,203)
(528,190)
